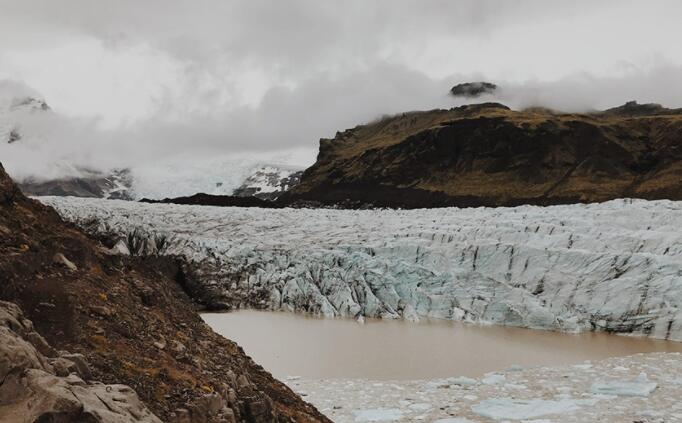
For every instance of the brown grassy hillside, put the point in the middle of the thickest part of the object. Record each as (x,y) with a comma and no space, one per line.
(487,154)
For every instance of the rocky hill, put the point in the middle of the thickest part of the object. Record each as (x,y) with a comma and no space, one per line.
(490,155)
(41,384)
(129,319)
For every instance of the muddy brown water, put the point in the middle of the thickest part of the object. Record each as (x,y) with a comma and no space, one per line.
(289,344)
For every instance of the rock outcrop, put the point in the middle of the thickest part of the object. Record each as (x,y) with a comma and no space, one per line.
(473,89)
(611,267)
(217,200)
(125,321)
(489,155)
(39,384)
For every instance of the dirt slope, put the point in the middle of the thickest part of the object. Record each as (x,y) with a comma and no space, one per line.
(132,322)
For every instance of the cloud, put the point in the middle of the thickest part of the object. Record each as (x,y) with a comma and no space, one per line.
(583,92)
(10,90)
(285,118)
(137,83)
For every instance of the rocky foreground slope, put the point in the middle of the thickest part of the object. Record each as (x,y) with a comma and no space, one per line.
(489,155)
(614,266)
(40,384)
(132,323)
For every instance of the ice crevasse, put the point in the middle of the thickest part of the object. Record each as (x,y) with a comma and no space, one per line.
(613,266)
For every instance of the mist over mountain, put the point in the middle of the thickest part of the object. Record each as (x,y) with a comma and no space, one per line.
(148,95)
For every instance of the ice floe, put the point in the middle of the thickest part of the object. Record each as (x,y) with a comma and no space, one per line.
(517,409)
(640,387)
(554,394)
(377,415)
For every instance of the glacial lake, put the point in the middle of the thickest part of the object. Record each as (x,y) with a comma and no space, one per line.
(290,344)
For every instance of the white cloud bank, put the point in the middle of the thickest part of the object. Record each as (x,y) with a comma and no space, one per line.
(138,84)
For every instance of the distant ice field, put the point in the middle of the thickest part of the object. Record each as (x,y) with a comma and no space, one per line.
(614,266)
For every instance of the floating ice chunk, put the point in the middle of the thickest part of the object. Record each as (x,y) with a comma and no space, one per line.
(463,381)
(448,382)
(494,379)
(651,413)
(509,408)
(515,386)
(377,415)
(675,381)
(585,366)
(640,387)
(420,407)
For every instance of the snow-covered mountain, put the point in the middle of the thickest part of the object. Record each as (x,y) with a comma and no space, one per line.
(115,184)
(238,174)
(614,266)
(269,182)
(10,129)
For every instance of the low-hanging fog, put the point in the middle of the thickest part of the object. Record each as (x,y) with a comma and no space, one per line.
(203,85)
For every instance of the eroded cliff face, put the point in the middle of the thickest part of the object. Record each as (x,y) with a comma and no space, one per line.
(489,155)
(131,321)
(612,266)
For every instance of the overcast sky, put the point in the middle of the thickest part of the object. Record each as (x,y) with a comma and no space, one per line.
(202,78)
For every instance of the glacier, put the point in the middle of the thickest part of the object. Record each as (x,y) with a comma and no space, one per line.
(613,266)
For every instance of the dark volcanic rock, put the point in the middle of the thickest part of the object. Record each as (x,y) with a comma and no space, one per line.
(473,89)
(489,155)
(217,200)
(111,311)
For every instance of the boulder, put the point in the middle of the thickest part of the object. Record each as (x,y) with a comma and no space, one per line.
(60,259)
(34,388)
(36,395)
(473,89)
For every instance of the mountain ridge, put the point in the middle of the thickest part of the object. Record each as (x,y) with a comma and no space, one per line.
(489,155)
